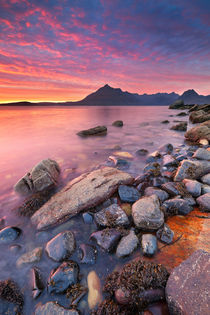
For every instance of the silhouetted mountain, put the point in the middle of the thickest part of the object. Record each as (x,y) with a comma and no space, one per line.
(192,97)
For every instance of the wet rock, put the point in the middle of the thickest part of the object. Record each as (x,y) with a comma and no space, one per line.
(165,122)
(15,248)
(61,246)
(182,114)
(169,160)
(94,290)
(54,308)
(180,158)
(203,142)
(30,257)
(38,285)
(96,131)
(193,187)
(9,234)
(127,244)
(11,298)
(87,218)
(166,148)
(85,191)
(146,213)
(158,181)
(142,152)
(177,104)
(126,208)
(182,126)
(201,131)
(117,123)
(175,189)
(43,176)
(148,244)
(165,234)
(204,202)
(199,116)
(154,157)
(88,254)
(63,277)
(111,217)
(128,193)
(161,194)
(188,287)
(122,154)
(120,163)
(152,168)
(2,223)
(106,239)
(206,179)
(205,189)
(202,154)
(142,178)
(176,206)
(191,170)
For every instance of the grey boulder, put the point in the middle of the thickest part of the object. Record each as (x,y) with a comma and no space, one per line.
(127,244)
(193,187)
(161,194)
(204,202)
(202,154)
(111,217)
(191,170)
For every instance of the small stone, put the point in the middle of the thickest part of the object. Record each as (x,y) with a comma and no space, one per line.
(119,163)
(166,148)
(15,248)
(206,179)
(174,189)
(161,194)
(117,123)
(202,154)
(9,234)
(128,193)
(142,152)
(126,207)
(165,234)
(107,239)
(94,290)
(152,168)
(88,254)
(169,160)
(204,202)
(127,244)
(61,246)
(30,257)
(122,154)
(165,122)
(54,308)
(87,218)
(193,187)
(111,217)
(149,244)
(99,130)
(38,285)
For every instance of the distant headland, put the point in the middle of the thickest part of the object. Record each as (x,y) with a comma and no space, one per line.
(109,96)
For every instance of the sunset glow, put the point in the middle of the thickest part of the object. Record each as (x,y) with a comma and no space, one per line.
(64,50)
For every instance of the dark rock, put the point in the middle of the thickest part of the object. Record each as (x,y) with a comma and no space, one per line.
(43,176)
(165,122)
(204,202)
(165,234)
(169,160)
(63,277)
(176,206)
(188,287)
(128,193)
(161,194)
(38,285)
(119,162)
(142,178)
(182,114)
(158,181)
(11,298)
(191,201)
(206,179)
(111,217)
(166,148)
(154,157)
(107,239)
(205,189)
(88,254)
(54,308)
(2,223)
(199,116)
(127,244)
(148,244)
(142,152)
(199,132)
(175,189)
(152,168)
(193,187)
(61,246)
(146,213)
(99,130)
(87,218)
(202,154)
(191,170)
(182,126)
(9,234)
(177,104)
(117,123)
(180,158)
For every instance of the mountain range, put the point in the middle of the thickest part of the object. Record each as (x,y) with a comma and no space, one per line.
(107,96)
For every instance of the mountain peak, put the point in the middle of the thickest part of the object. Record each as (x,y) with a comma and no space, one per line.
(190,93)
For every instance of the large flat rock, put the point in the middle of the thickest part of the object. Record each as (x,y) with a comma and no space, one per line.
(84,192)
(188,286)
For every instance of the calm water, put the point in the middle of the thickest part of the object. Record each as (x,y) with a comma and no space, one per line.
(28,135)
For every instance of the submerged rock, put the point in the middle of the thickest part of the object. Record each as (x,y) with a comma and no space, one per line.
(38,285)
(127,244)
(95,131)
(11,298)
(204,202)
(128,193)
(117,123)
(9,234)
(85,191)
(30,257)
(43,176)
(182,126)
(147,214)
(106,239)
(54,308)
(188,287)
(149,244)
(94,289)
(142,152)
(61,246)
(88,254)
(165,234)
(63,277)
(111,217)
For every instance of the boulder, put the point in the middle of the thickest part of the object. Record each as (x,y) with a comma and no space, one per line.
(96,131)
(127,244)
(149,244)
(188,286)
(117,123)
(176,206)
(182,126)
(54,308)
(107,238)
(199,132)
(199,116)
(111,217)
(177,104)
(9,234)
(147,214)
(204,202)
(191,170)
(82,193)
(128,193)
(202,154)
(43,176)
(30,257)
(169,160)
(193,187)
(61,246)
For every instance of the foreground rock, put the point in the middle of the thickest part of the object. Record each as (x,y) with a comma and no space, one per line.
(147,214)
(111,217)
(106,239)
(202,154)
(9,234)
(127,244)
(128,193)
(94,289)
(96,131)
(204,202)
(199,116)
(43,176)
(54,308)
(188,287)
(199,132)
(176,206)
(30,257)
(193,187)
(85,191)
(61,246)
(165,234)
(191,170)
(11,299)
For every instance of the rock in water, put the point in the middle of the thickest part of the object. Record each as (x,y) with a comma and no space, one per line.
(94,287)
(165,234)
(85,191)
(146,213)
(30,257)
(53,308)
(96,131)
(177,104)
(188,287)
(43,176)
(61,246)
(127,244)
(111,217)
(128,193)
(117,123)
(88,254)
(63,277)
(9,234)
(182,126)
(106,239)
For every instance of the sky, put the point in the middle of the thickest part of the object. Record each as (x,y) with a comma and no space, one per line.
(53,50)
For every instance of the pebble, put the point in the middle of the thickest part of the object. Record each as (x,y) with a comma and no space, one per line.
(149,244)
(94,290)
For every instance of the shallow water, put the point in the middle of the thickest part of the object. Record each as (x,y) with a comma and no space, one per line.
(28,135)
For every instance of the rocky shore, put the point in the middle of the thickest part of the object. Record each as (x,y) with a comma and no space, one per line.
(129,215)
